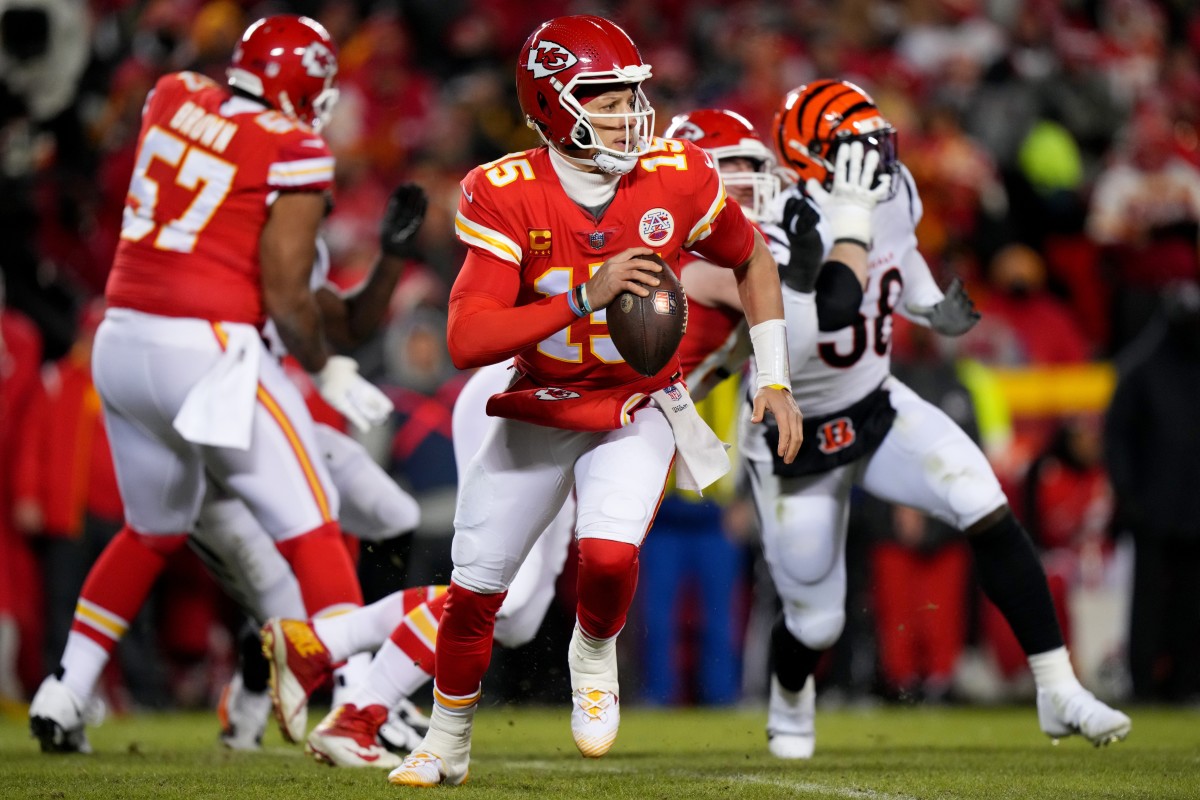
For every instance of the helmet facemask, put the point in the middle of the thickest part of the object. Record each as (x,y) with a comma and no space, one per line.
(764,184)
(321,107)
(638,121)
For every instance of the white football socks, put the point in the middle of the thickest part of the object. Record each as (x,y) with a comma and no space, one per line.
(1052,669)
(593,662)
(393,677)
(362,630)
(82,661)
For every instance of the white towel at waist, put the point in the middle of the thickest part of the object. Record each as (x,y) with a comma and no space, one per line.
(219,410)
(702,459)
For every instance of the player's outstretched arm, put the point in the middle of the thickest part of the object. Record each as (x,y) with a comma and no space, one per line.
(953,315)
(351,319)
(286,250)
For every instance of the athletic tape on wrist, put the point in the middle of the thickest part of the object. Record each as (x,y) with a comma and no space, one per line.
(771,353)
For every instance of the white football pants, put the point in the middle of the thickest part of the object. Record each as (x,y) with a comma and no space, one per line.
(523,474)
(926,462)
(532,589)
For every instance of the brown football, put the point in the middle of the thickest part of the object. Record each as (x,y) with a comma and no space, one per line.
(647,330)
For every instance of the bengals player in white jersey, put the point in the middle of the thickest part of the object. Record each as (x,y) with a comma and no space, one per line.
(554,234)
(847,237)
(228,188)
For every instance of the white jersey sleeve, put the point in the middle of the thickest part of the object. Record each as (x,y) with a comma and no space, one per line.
(847,364)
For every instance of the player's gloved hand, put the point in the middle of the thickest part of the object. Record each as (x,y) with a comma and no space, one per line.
(350,393)
(804,245)
(402,219)
(954,315)
(856,189)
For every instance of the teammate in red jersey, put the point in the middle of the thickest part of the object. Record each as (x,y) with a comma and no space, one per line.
(554,235)
(219,233)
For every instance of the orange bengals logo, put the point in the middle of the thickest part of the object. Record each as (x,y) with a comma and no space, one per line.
(835,435)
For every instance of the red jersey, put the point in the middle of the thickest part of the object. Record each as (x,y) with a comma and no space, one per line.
(515,215)
(209,165)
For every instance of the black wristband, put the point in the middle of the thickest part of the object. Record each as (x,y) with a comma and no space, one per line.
(848,240)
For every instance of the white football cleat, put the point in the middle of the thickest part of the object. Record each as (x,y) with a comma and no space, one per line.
(595,719)
(243,715)
(57,718)
(595,704)
(1074,710)
(406,726)
(791,720)
(349,737)
(425,769)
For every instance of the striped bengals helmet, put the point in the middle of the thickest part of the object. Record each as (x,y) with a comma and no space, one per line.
(816,118)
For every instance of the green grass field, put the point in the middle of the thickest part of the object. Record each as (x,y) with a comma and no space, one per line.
(881,754)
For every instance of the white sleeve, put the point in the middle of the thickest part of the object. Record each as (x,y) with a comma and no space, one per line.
(920,289)
(800,313)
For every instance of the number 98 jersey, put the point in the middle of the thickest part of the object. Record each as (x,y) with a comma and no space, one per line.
(851,362)
(209,164)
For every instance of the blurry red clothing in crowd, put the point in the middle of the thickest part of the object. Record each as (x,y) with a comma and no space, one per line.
(20,392)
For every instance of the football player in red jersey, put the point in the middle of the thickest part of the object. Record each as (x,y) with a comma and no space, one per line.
(219,233)
(716,345)
(554,235)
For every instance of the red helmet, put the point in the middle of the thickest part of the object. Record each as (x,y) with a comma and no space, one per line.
(727,134)
(288,62)
(566,62)
(815,119)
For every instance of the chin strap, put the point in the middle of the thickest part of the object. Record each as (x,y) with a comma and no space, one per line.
(615,165)
(608,163)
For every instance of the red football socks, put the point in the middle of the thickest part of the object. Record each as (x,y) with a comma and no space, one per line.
(608,573)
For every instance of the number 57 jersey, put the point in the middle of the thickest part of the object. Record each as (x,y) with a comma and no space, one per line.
(209,165)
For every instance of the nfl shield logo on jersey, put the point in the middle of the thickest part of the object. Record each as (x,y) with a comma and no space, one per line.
(596,239)
(656,226)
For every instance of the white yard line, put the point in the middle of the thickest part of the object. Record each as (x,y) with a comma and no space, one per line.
(820,788)
(781,783)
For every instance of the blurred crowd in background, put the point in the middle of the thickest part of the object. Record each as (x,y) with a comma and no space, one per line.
(1056,145)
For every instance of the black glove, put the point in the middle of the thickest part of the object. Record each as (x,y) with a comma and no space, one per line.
(804,242)
(402,219)
(953,316)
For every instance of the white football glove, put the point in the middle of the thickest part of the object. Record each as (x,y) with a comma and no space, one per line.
(848,204)
(350,393)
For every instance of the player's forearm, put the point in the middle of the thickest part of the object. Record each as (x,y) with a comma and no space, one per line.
(758,286)
(298,320)
(367,305)
(481,332)
(854,256)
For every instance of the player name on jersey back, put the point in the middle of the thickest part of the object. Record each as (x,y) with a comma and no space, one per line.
(209,165)
(210,130)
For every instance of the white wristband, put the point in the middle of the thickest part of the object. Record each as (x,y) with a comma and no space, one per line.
(771,354)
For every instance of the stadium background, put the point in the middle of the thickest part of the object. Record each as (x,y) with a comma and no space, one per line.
(1010,117)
